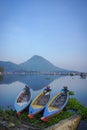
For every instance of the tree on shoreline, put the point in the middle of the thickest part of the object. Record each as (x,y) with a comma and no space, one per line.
(1,69)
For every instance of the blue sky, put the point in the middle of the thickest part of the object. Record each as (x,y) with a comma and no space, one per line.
(53,29)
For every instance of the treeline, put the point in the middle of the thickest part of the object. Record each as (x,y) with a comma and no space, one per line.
(1,69)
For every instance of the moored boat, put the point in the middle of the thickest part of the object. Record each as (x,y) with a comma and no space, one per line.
(39,103)
(23,100)
(56,105)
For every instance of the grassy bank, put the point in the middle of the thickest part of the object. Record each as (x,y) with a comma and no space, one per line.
(10,115)
(72,107)
(77,107)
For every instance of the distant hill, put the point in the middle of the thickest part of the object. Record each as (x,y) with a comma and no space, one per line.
(35,63)
(9,66)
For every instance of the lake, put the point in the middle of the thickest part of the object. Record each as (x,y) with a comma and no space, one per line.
(11,85)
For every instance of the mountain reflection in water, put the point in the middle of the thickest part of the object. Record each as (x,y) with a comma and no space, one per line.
(36,82)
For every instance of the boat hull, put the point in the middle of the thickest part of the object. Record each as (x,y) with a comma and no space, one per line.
(20,106)
(38,104)
(51,109)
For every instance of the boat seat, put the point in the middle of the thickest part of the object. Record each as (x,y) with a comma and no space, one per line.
(43,100)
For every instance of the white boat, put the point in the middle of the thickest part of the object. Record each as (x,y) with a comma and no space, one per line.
(23,100)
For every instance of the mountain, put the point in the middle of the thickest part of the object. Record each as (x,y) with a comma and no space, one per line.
(9,66)
(35,63)
(38,63)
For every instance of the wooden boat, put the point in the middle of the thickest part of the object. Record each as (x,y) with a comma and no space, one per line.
(38,104)
(56,105)
(23,100)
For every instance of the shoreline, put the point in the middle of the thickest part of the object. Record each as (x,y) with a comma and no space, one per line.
(66,124)
(72,114)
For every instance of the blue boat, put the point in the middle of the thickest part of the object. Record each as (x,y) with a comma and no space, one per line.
(23,100)
(56,105)
(39,103)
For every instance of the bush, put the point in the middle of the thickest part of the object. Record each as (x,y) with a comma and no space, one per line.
(74,104)
(83,113)
(71,93)
(1,111)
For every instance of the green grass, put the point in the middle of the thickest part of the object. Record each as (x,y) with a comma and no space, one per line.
(37,120)
(71,93)
(83,113)
(74,104)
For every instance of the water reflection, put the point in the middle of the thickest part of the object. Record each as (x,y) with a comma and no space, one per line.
(1,77)
(36,82)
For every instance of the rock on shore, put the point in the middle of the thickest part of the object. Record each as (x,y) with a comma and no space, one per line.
(67,124)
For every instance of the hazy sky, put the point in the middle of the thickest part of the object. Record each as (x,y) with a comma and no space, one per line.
(53,29)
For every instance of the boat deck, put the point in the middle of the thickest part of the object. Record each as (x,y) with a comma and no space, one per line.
(23,97)
(43,99)
(59,101)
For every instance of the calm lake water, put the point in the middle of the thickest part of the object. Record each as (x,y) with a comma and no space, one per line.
(11,85)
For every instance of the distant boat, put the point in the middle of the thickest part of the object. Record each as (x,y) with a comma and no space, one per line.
(23,100)
(39,103)
(56,105)
(83,75)
(47,78)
